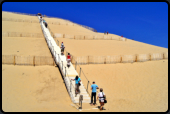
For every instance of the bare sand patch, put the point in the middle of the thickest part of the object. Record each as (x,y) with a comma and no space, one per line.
(25,46)
(18,16)
(9,26)
(56,19)
(70,30)
(37,89)
(139,87)
(108,47)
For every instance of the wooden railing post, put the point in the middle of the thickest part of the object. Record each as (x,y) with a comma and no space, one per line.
(80,72)
(71,59)
(136,58)
(62,65)
(65,71)
(121,59)
(34,61)
(87,85)
(14,59)
(163,56)
(88,59)
(53,60)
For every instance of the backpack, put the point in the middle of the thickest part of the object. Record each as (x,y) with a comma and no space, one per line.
(105,101)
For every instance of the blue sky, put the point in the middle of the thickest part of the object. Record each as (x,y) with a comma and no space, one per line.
(142,21)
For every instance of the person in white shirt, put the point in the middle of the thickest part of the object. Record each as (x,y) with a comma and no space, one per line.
(101,96)
(41,19)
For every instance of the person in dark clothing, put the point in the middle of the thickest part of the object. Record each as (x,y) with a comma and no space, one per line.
(93,94)
(39,14)
(46,24)
(77,81)
(107,32)
(62,48)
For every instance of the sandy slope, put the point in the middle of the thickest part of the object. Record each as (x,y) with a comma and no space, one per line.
(10,26)
(25,27)
(70,30)
(25,45)
(108,47)
(132,87)
(18,16)
(28,88)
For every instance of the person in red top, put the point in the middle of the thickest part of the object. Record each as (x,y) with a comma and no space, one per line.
(122,37)
(68,60)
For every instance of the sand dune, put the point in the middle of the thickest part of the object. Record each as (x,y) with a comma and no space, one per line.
(139,86)
(25,46)
(9,26)
(108,47)
(18,16)
(39,89)
(71,30)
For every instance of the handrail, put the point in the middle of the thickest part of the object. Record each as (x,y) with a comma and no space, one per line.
(61,66)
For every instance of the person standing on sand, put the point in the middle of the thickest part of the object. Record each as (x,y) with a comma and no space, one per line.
(101,96)
(107,32)
(93,94)
(77,81)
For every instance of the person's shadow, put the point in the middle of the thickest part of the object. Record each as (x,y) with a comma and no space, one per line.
(99,108)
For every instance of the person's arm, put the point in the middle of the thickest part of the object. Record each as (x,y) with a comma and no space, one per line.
(98,97)
(97,87)
(72,79)
(104,95)
(79,81)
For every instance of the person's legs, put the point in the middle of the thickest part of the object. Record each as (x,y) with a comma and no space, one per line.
(102,104)
(94,98)
(62,51)
(75,90)
(78,90)
(91,98)
(68,62)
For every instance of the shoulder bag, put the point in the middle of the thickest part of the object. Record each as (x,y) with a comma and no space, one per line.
(105,101)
